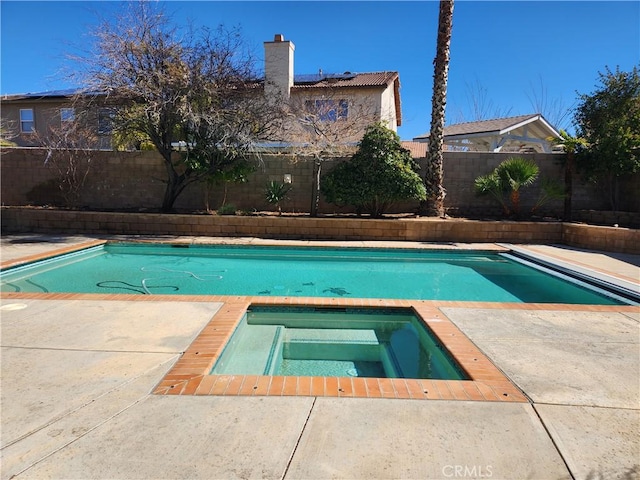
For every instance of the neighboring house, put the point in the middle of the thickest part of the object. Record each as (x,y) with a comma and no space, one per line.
(361,98)
(28,118)
(524,133)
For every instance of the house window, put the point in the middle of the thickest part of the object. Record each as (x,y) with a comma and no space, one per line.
(67,115)
(328,110)
(105,121)
(26,120)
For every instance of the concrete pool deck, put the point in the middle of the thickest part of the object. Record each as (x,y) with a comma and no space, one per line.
(78,376)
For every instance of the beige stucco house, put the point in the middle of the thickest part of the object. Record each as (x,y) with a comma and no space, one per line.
(343,103)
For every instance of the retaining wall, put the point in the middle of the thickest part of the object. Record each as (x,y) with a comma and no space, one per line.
(30,220)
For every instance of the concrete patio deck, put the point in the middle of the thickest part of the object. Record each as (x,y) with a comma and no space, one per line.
(78,376)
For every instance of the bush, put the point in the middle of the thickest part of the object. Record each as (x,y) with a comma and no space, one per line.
(506,180)
(379,174)
(227,209)
(276,193)
(609,122)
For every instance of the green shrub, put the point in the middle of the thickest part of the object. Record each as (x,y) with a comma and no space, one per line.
(380,173)
(276,193)
(506,180)
(227,209)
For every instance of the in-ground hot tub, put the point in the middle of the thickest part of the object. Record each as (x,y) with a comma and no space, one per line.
(336,342)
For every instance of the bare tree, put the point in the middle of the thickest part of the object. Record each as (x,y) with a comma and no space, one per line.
(193,89)
(480,105)
(326,127)
(553,109)
(70,145)
(8,131)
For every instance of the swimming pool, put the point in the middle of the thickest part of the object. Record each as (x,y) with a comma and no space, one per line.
(148,269)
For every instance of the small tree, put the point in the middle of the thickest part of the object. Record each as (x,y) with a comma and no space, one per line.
(609,121)
(276,193)
(8,132)
(507,179)
(70,146)
(238,173)
(380,173)
(570,145)
(325,126)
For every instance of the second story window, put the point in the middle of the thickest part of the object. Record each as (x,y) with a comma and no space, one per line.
(328,110)
(27,124)
(67,115)
(105,121)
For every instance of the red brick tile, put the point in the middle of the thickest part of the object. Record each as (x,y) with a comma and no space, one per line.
(290,387)
(248,385)
(415,389)
(304,386)
(277,383)
(429,389)
(234,385)
(359,387)
(443,389)
(317,386)
(331,386)
(345,387)
(400,387)
(373,388)
(457,390)
(487,392)
(205,385)
(220,385)
(472,391)
(386,388)
(262,386)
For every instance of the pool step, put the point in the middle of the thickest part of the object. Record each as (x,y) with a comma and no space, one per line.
(331,335)
(331,344)
(256,349)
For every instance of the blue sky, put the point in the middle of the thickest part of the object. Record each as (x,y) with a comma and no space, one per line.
(504,54)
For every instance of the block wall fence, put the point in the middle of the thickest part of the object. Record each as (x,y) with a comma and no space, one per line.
(135,181)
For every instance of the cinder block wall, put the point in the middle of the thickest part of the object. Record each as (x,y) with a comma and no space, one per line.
(135,180)
(31,220)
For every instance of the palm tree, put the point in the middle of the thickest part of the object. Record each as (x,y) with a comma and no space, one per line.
(515,173)
(507,179)
(570,145)
(434,173)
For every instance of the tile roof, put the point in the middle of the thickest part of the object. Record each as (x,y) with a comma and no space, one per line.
(353,80)
(417,149)
(348,79)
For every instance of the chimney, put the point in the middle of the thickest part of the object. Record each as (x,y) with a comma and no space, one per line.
(278,66)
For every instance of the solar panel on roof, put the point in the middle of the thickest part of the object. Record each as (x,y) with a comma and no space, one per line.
(318,77)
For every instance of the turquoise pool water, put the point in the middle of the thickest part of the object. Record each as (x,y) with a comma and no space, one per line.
(148,269)
(329,342)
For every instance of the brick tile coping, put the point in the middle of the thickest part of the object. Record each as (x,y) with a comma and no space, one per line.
(190,375)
